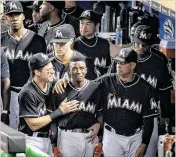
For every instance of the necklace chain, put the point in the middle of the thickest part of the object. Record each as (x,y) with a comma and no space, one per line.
(87,44)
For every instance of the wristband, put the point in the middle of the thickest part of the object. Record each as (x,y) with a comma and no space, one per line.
(5,111)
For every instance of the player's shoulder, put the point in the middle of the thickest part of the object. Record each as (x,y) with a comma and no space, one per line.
(27,90)
(106,78)
(78,55)
(35,36)
(144,84)
(102,40)
(5,35)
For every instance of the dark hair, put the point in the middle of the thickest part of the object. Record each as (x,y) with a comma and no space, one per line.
(76,60)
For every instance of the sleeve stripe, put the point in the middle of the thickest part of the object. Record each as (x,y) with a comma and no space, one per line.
(100,109)
(165,88)
(157,114)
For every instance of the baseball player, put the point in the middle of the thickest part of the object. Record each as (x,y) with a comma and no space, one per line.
(63,40)
(19,45)
(77,132)
(37,19)
(52,11)
(5,88)
(92,46)
(34,99)
(130,104)
(153,69)
(71,13)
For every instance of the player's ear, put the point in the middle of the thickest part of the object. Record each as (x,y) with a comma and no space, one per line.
(133,65)
(23,16)
(97,26)
(37,72)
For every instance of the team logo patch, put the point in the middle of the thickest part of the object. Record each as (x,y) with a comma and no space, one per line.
(58,34)
(86,13)
(145,35)
(13,6)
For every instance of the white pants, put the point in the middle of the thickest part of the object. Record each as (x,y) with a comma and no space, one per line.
(73,144)
(115,145)
(14,110)
(40,146)
(152,147)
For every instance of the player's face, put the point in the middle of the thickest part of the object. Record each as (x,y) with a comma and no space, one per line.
(141,48)
(36,16)
(16,20)
(124,69)
(60,49)
(87,28)
(45,9)
(78,71)
(47,73)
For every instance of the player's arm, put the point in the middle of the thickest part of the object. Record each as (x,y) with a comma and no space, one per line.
(5,82)
(64,107)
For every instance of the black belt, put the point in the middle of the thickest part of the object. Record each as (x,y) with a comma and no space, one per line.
(124,134)
(15,89)
(76,130)
(41,134)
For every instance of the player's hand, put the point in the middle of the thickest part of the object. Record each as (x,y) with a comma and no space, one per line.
(60,85)
(98,150)
(93,132)
(114,49)
(141,150)
(5,118)
(68,106)
(57,152)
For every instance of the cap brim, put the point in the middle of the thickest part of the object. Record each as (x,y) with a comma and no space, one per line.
(50,60)
(141,41)
(119,59)
(59,40)
(14,11)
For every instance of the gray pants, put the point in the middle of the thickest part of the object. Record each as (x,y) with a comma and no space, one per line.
(115,145)
(14,110)
(41,146)
(73,144)
(152,147)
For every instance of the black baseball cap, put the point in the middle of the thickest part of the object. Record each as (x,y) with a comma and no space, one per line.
(143,35)
(36,5)
(38,61)
(13,7)
(63,34)
(57,4)
(133,29)
(126,55)
(91,15)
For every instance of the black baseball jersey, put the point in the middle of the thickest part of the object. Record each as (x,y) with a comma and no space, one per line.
(97,50)
(61,70)
(4,27)
(89,104)
(153,69)
(19,52)
(33,103)
(127,104)
(72,15)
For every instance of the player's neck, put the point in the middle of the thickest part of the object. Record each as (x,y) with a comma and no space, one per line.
(126,79)
(53,19)
(90,36)
(18,34)
(41,84)
(77,84)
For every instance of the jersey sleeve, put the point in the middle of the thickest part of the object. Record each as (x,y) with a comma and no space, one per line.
(150,109)
(4,66)
(28,106)
(165,81)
